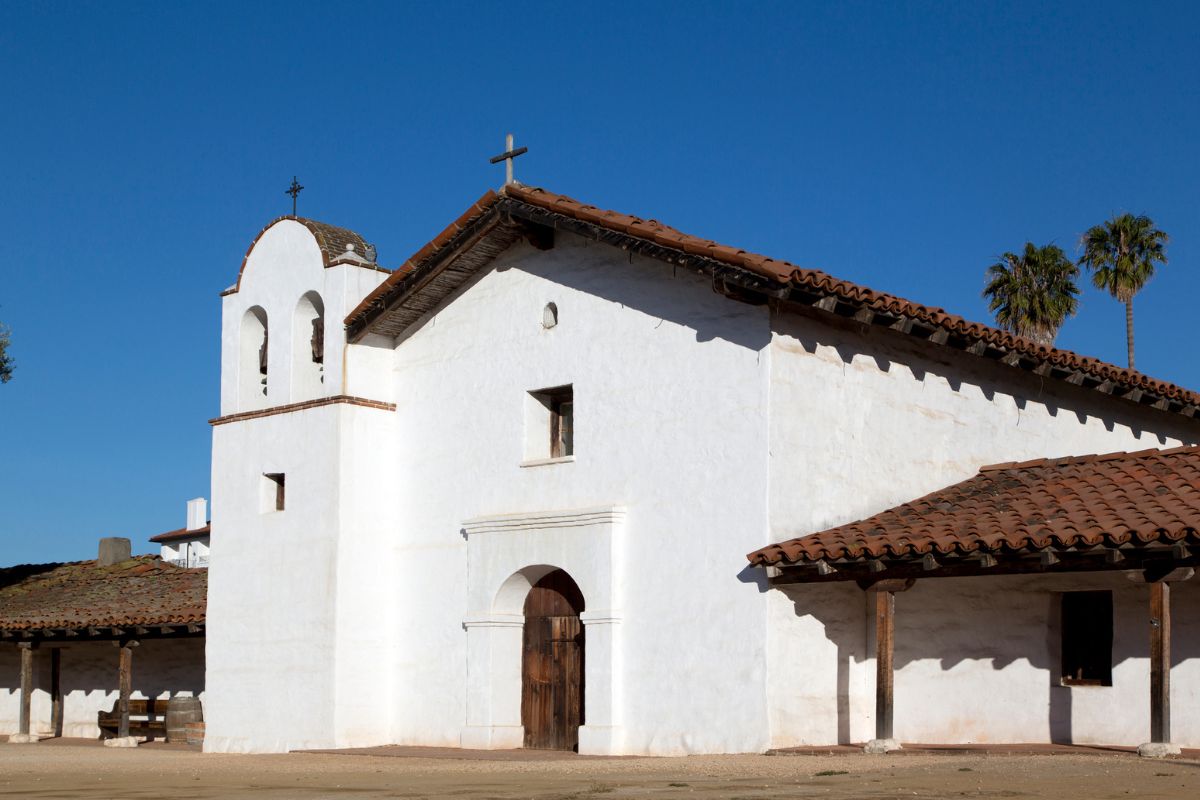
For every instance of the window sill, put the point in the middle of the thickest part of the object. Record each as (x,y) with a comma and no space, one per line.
(1083,684)
(543,462)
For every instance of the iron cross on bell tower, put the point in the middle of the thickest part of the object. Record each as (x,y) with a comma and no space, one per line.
(294,190)
(507,157)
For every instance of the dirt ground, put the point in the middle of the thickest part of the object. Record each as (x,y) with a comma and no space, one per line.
(63,771)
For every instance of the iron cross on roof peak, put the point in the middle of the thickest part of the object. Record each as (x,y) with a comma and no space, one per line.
(507,157)
(294,190)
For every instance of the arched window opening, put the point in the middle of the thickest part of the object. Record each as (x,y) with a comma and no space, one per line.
(308,347)
(253,360)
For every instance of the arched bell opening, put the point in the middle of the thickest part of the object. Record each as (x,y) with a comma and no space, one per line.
(552,663)
(252,360)
(308,347)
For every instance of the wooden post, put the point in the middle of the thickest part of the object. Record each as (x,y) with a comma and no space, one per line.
(56,698)
(124,687)
(26,649)
(885,634)
(1160,662)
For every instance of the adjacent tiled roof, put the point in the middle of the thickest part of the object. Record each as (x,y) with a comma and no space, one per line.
(1113,499)
(181,533)
(331,240)
(143,590)
(488,224)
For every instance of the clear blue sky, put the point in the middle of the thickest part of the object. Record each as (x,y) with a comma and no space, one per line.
(902,146)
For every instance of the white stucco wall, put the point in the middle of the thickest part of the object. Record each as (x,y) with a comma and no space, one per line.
(864,421)
(186,552)
(670,385)
(162,668)
(275,626)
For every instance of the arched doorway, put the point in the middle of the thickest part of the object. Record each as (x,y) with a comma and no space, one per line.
(552,664)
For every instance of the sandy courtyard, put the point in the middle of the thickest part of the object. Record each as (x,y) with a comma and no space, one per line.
(64,771)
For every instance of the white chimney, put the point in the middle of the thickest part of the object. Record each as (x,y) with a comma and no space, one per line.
(197,514)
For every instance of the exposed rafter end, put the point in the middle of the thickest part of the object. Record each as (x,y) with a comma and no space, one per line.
(825,568)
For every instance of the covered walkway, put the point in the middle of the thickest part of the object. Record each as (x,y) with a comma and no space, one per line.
(1131,513)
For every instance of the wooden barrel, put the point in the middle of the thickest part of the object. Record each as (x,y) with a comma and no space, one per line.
(181,711)
(195,733)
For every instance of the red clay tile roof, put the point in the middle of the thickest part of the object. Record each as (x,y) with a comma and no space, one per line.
(143,590)
(935,324)
(1113,499)
(181,533)
(331,240)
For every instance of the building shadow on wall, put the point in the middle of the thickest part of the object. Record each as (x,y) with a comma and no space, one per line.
(891,351)
(966,632)
(688,300)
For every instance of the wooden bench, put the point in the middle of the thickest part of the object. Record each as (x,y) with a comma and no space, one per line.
(146,718)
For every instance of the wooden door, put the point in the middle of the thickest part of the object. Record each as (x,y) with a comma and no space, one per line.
(552,664)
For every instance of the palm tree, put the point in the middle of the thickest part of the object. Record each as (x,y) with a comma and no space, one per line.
(1121,254)
(6,362)
(1033,293)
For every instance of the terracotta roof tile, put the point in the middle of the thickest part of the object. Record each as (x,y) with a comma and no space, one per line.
(182,533)
(1110,499)
(784,273)
(143,590)
(331,240)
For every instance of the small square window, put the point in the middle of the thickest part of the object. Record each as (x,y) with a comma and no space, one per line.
(273,494)
(550,423)
(1087,638)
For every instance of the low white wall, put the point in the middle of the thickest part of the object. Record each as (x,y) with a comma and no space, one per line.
(977,660)
(161,669)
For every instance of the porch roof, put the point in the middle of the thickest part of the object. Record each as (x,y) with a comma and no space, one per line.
(41,600)
(1126,501)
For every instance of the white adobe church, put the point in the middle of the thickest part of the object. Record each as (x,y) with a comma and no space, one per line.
(503,497)
(573,479)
